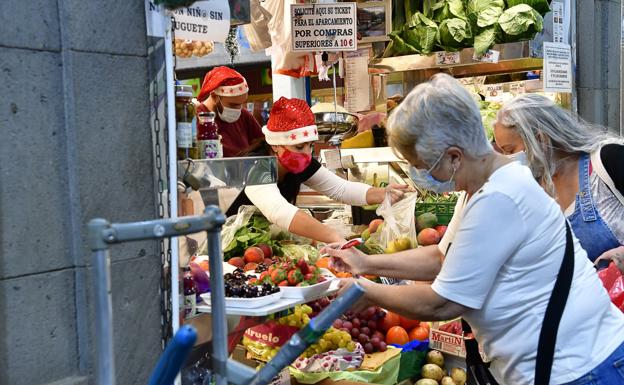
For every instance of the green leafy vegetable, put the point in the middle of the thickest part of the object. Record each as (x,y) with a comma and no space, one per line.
(420,33)
(296,252)
(452,34)
(447,9)
(540,6)
(400,46)
(255,231)
(486,39)
(484,13)
(520,22)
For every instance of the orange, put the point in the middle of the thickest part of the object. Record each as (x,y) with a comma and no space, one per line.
(419,333)
(390,320)
(397,335)
(323,263)
(409,324)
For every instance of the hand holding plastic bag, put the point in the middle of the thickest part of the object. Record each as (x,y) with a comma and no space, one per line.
(399,228)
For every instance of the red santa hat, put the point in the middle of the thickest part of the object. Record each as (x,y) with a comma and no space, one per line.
(291,122)
(224,81)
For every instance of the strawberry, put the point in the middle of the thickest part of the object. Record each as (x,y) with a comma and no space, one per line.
(252,281)
(294,277)
(309,278)
(264,276)
(303,266)
(278,275)
(283,283)
(303,284)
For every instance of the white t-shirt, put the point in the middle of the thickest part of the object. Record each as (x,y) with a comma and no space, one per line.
(508,242)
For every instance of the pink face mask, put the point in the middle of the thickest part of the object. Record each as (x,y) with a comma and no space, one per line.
(295,162)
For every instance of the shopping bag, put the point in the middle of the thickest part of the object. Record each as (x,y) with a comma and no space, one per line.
(613,281)
(399,228)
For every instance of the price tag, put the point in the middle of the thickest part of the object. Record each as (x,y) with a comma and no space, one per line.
(491,56)
(447,58)
(332,159)
(517,88)
(494,92)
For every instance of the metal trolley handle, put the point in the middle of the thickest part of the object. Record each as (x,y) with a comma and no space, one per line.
(102,234)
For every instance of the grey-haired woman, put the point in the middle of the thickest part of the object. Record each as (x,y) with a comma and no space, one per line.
(501,254)
(580,165)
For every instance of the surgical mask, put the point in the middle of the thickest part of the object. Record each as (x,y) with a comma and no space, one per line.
(424,179)
(294,162)
(519,157)
(229,115)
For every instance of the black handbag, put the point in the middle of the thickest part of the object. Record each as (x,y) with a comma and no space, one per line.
(477,370)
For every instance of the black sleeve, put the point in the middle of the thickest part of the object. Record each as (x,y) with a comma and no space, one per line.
(312,168)
(612,157)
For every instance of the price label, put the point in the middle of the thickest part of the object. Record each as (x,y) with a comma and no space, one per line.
(517,88)
(447,58)
(491,56)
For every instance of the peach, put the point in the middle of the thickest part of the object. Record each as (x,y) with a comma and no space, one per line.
(237,261)
(254,254)
(428,236)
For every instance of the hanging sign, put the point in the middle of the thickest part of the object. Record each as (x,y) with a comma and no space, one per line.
(205,21)
(557,67)
(324,27)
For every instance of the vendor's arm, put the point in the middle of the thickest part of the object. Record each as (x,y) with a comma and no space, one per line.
(352,193)
(415,301)
(268,199)
(421,264)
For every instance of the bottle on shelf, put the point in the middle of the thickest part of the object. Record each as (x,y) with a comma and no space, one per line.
(185,114)
(208,139)
(190,293)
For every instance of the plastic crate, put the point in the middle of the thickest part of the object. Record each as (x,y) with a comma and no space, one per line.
(443,210)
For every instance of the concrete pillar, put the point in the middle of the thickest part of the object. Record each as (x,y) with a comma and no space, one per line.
(76,144)
(598,34)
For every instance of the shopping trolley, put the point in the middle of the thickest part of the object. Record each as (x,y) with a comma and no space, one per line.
(103,234)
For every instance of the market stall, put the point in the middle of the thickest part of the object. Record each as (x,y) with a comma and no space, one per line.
(276,282)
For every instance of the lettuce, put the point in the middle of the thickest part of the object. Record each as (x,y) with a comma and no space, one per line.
(453,34)
(540,6)
(420,33)
(520,22)
(447,9)
(484,13)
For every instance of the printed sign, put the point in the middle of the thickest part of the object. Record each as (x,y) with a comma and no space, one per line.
(204,21)
(324,27)
(447,58)
(557,67)
(561,20)
(491,56)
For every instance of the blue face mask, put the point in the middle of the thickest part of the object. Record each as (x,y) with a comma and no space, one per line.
(424,179)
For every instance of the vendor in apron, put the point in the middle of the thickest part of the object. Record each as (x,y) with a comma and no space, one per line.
(579,165)
(289,135)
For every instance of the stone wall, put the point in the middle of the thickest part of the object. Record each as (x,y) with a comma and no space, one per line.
(75,144)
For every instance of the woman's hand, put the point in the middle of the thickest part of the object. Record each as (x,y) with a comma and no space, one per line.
(396,192)
(616,255)
(351,259)
(362,303)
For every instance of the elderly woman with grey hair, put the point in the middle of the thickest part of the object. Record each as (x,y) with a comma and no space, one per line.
(497,263)
(580,165)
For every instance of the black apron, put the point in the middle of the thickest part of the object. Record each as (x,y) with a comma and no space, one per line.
(289,187)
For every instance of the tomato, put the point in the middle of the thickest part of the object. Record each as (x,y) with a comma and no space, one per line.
(419,333)
(389,320)
(397,335)
(408,324)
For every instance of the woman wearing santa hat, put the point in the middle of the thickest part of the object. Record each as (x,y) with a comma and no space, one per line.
(224,92)
(289,135)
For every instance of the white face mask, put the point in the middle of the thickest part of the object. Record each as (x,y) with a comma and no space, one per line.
(519,157)
(229,115)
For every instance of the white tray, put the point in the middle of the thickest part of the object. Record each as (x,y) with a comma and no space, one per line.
(246,302)
(305,292)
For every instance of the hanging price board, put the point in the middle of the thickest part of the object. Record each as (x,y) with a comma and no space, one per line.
(324,27)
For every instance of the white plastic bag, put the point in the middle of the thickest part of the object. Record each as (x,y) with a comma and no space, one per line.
(399,227)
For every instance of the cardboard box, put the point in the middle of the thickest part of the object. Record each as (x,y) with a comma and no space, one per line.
(449,343)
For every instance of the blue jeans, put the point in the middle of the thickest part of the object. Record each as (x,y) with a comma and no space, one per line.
(609,372)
